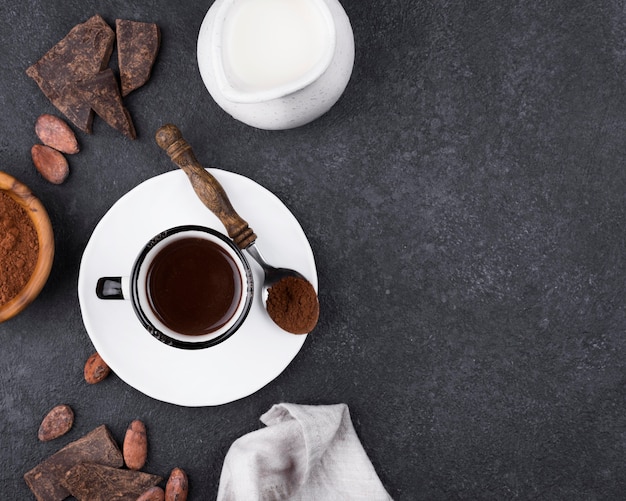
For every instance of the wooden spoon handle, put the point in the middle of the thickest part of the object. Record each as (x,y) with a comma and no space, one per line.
(208,189)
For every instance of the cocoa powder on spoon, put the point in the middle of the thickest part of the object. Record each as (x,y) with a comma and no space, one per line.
(292,304)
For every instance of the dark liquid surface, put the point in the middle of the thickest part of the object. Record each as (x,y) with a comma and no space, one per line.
(193,286)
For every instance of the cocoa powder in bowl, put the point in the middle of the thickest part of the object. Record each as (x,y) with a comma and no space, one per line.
(19,248)
(26,246)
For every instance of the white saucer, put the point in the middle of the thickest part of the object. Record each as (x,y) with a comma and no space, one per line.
(255,355)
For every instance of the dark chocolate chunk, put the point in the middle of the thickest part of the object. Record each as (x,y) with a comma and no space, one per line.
(102,92)
(97,446)
(94,482)
(84,51)
(137,48)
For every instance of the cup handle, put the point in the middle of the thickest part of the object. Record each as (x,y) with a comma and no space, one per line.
(110,288)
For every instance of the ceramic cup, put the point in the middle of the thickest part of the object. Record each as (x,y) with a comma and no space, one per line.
(238,76)
(190,287)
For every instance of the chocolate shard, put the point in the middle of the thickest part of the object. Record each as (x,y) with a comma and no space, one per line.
(84,51)
(95,482)
(98,446)
(137,48)
(102,92)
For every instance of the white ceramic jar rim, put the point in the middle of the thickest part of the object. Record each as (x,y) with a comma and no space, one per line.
(234,94)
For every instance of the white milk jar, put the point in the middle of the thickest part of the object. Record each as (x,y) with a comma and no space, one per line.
(276,64)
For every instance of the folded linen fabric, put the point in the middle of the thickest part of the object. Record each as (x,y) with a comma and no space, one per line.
(306,453)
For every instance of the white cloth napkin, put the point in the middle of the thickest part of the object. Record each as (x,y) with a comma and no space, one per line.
(306,453)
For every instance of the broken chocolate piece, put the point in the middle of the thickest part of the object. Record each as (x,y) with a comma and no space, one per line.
(84,51)
(98,446)
(103,94)
(137,48)
(95,482)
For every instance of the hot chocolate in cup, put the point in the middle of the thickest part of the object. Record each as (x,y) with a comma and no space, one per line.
(190,287)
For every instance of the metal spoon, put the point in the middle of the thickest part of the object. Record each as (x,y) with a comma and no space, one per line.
(213,195)
(272,274)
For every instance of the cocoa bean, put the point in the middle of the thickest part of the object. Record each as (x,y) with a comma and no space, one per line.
(153,494)
(56,423)
(96,369)
(135,447)
(177,486)
(50,163)
(54,132)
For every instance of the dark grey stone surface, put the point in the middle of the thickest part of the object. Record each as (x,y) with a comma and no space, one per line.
(466,204)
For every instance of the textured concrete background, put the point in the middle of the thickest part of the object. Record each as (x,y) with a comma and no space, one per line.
(465,201)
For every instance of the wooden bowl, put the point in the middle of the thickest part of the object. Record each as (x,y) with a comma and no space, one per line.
(38,215)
